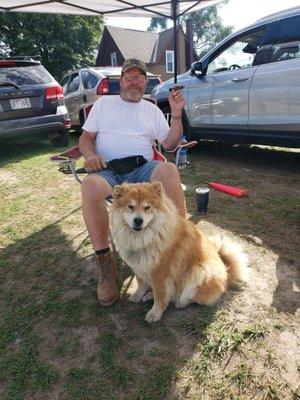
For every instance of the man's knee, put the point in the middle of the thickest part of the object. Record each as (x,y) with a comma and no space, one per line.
(165,171)
(95,186)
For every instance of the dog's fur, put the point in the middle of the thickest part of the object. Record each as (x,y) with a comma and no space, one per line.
(168,252)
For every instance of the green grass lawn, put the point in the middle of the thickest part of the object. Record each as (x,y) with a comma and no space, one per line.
(56,342)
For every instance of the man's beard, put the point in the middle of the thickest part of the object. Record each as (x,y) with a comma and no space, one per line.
(133,94)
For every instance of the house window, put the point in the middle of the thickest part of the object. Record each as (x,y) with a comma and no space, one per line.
(113,59)
(169,61)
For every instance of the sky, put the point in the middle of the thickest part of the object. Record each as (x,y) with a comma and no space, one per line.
(238,13)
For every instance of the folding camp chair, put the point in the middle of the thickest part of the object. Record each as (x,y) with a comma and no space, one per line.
(67,160)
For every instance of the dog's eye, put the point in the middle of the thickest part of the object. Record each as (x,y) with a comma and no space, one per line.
(130,206)
(146,208)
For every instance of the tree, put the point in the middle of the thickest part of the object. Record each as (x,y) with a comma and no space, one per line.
(60,42)
(158,23)
(208,28)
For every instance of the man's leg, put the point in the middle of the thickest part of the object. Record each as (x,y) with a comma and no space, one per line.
(94,191)
(167,173)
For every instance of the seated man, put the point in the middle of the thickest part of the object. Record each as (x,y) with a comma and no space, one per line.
(119,127)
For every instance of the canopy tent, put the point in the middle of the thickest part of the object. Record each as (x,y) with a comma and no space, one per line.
(119,8)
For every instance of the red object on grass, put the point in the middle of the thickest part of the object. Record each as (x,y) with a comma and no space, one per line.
(233,191)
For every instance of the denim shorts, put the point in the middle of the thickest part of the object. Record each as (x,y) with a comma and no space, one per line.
(138,175)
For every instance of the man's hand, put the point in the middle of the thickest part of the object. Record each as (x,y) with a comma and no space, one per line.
(94,163)
(177,102)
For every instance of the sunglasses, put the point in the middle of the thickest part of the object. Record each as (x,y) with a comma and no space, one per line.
(130,77)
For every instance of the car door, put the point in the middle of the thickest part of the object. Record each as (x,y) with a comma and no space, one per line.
(72,98)
(274,103)
(221,96)
(90,83)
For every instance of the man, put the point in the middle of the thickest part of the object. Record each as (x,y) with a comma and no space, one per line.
(119,127)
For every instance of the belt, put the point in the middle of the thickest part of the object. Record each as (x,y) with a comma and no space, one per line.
(122,166)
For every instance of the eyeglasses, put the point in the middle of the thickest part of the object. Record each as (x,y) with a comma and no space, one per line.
(130,77)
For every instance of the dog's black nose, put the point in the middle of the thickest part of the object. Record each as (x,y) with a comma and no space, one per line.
(138,221)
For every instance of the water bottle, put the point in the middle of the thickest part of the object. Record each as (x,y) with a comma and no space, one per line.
(183,155)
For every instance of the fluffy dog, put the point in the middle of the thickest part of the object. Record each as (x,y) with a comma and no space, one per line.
(168,252)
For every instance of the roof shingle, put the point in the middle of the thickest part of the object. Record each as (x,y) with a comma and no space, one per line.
(131,42)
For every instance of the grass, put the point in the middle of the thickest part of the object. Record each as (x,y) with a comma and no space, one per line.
(57,343)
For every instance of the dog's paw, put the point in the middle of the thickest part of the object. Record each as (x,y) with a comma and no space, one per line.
(148,296)
(153,316)
(135,297)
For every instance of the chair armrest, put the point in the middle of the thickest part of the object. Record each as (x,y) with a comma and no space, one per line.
(184,144)
(67,161)
(73,152)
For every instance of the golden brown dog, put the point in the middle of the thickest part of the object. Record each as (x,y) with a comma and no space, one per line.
(168,253)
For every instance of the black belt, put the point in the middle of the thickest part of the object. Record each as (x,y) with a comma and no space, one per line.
(122,166)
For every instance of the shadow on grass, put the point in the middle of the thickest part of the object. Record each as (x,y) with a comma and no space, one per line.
(270,212)
(57,342)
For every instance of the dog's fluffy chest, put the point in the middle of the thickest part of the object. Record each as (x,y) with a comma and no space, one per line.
(141,261)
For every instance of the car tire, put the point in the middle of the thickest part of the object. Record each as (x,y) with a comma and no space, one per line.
(62,140)
(167,113)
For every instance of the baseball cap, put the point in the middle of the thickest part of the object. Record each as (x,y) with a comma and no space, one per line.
(134,62)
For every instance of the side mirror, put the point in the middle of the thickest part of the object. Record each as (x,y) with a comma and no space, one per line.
(197,68)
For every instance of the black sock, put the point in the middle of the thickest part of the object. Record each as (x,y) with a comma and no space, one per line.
(103,251)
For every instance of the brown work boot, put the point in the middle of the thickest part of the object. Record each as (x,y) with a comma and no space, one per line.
(107,289)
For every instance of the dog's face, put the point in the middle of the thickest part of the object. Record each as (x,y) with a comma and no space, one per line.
(138,203)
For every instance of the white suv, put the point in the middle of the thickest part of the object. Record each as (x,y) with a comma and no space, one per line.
(247,88)
(84,86)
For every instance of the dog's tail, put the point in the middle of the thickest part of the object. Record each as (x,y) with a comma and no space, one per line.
(234,258)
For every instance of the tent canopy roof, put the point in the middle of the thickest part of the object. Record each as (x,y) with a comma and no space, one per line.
(117,8)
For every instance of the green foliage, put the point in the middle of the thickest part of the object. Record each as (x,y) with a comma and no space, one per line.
(158,23)
(60,42)
(208,28)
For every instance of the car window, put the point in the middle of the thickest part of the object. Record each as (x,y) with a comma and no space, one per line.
(89,80)
(114,85)
(74,83)
(152,82)
(26,75)
(286,45)
(240,53)
(64,84)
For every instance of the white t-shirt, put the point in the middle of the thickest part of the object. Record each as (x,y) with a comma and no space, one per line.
(126,129)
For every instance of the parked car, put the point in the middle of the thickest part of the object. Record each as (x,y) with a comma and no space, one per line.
(247,88)
(84,86)
(31,103)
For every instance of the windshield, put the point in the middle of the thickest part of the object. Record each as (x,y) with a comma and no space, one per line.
(25,75)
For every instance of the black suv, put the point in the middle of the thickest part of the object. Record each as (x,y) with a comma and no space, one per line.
(31,103)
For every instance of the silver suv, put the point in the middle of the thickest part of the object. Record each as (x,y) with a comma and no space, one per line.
(247,88)
(84,86)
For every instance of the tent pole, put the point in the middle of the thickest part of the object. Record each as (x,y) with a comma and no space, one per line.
(174,17)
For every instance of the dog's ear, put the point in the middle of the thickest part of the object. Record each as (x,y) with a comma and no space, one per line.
(158,188)
(118,191)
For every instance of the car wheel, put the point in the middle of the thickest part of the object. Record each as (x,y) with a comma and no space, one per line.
(167,113)
(62,140)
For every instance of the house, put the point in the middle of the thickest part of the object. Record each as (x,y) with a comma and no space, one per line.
(155,49)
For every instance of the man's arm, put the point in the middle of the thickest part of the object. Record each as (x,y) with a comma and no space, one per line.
(177,101)
(92,161)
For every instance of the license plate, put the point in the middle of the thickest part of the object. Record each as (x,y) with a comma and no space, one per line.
(16,104)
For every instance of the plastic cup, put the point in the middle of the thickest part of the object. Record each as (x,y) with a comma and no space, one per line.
(202,196)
